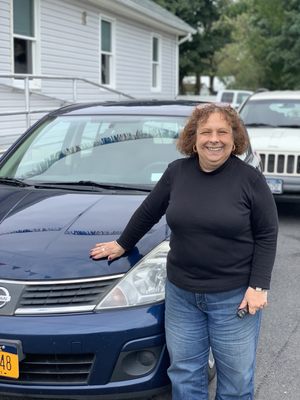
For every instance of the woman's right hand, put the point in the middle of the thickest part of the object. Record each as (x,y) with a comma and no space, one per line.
(111,250)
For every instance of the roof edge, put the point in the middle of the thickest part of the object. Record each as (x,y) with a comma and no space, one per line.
(148,11)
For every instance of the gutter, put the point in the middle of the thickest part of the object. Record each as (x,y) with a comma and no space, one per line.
(187,38)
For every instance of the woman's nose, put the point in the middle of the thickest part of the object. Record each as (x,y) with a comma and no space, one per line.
(214,137)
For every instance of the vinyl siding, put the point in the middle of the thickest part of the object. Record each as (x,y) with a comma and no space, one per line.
(71,49)
(5,39)
(67,47)
(12,99)
(133,64)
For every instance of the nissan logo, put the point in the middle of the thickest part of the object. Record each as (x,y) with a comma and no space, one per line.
(4,297)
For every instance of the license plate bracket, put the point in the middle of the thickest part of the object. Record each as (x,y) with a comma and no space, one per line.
(10,355)
(275,185)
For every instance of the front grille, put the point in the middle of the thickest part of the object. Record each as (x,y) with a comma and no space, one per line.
(71,296)
(280,164)
(49,369)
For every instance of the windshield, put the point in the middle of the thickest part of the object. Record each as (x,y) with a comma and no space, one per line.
(271,113)
(103,149)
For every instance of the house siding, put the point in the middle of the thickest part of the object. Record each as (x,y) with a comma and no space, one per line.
(5,37)
(68,47)
(134,60)
(71,49)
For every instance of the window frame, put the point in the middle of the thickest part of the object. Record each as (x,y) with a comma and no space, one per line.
(157,63)
(35,50)
(111,54)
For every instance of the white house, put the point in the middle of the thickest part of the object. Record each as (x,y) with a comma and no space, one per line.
(83,50)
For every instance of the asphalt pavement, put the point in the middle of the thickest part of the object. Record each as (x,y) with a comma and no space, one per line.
(278,357)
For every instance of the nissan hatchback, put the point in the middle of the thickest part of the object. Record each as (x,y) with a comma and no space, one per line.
(72,327)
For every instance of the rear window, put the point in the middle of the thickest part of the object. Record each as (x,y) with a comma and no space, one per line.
(227,97)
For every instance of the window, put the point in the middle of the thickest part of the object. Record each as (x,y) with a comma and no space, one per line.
(24,36)
(155,63)
(227,97)
(106,52)
(123,149)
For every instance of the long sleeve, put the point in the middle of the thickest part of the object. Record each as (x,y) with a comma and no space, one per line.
(148,213)
(265,229)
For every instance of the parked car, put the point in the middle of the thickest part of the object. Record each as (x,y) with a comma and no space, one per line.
(233,97)
(273,122)
(70,326)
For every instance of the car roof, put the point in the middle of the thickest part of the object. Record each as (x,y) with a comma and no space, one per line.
(146,107)
(276,95)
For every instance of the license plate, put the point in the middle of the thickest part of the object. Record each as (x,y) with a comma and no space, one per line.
(9,361)
(275,185)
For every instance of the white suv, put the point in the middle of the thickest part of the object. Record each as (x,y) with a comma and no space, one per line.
(234,97)
(273,122)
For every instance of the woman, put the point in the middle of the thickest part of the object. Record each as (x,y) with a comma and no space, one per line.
(223,224)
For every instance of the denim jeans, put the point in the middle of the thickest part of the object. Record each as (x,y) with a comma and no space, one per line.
(194,323)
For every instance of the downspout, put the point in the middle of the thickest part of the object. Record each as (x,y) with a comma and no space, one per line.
(186,38)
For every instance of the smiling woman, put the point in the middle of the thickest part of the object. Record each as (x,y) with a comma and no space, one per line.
(73,180)
(214,142)
(222,248)
(231,123)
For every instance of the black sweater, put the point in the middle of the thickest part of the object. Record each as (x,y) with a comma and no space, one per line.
(223,225)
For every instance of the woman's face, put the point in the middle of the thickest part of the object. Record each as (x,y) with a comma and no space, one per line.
(214,141)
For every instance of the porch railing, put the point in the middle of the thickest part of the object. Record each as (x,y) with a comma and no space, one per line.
(27,91)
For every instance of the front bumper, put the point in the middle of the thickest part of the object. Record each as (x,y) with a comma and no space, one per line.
(107,355)
(290,187)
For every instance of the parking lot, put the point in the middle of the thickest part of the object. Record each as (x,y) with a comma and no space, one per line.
(277,373)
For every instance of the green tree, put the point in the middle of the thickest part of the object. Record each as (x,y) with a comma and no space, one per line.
(213,32)
(265,45)
(236,65)
(286,50)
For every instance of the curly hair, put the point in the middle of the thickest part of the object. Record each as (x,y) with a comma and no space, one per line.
(200,114)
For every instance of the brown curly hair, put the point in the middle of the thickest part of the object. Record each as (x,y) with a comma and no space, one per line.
(200,114)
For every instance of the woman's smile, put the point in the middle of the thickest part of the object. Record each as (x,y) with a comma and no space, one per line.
(214,142)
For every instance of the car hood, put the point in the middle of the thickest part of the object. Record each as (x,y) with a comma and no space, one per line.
(47,234)
(272,139)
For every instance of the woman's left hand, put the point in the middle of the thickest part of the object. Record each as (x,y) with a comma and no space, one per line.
(254,300)
(111,250)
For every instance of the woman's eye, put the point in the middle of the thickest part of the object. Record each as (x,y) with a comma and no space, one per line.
(223,132)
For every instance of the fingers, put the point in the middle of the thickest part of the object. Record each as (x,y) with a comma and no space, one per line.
(252,309)
(243,303)
(254,300)
(111,250)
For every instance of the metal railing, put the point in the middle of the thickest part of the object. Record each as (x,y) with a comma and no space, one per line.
(27,91)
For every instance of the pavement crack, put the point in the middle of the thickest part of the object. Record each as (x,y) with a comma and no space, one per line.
(278,354)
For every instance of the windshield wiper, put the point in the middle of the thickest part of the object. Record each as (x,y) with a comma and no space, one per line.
(92,184)
(254,124)
(289,126)
(13,182)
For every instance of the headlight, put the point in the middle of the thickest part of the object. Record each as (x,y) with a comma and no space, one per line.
(143,284)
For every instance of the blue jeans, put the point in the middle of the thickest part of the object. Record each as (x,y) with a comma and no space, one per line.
(194,323)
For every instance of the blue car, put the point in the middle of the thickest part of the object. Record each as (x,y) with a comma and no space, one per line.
(72,327)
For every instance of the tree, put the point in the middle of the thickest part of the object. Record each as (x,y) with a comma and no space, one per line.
(266,45)
(236,60)
(286,50)
(198,56)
